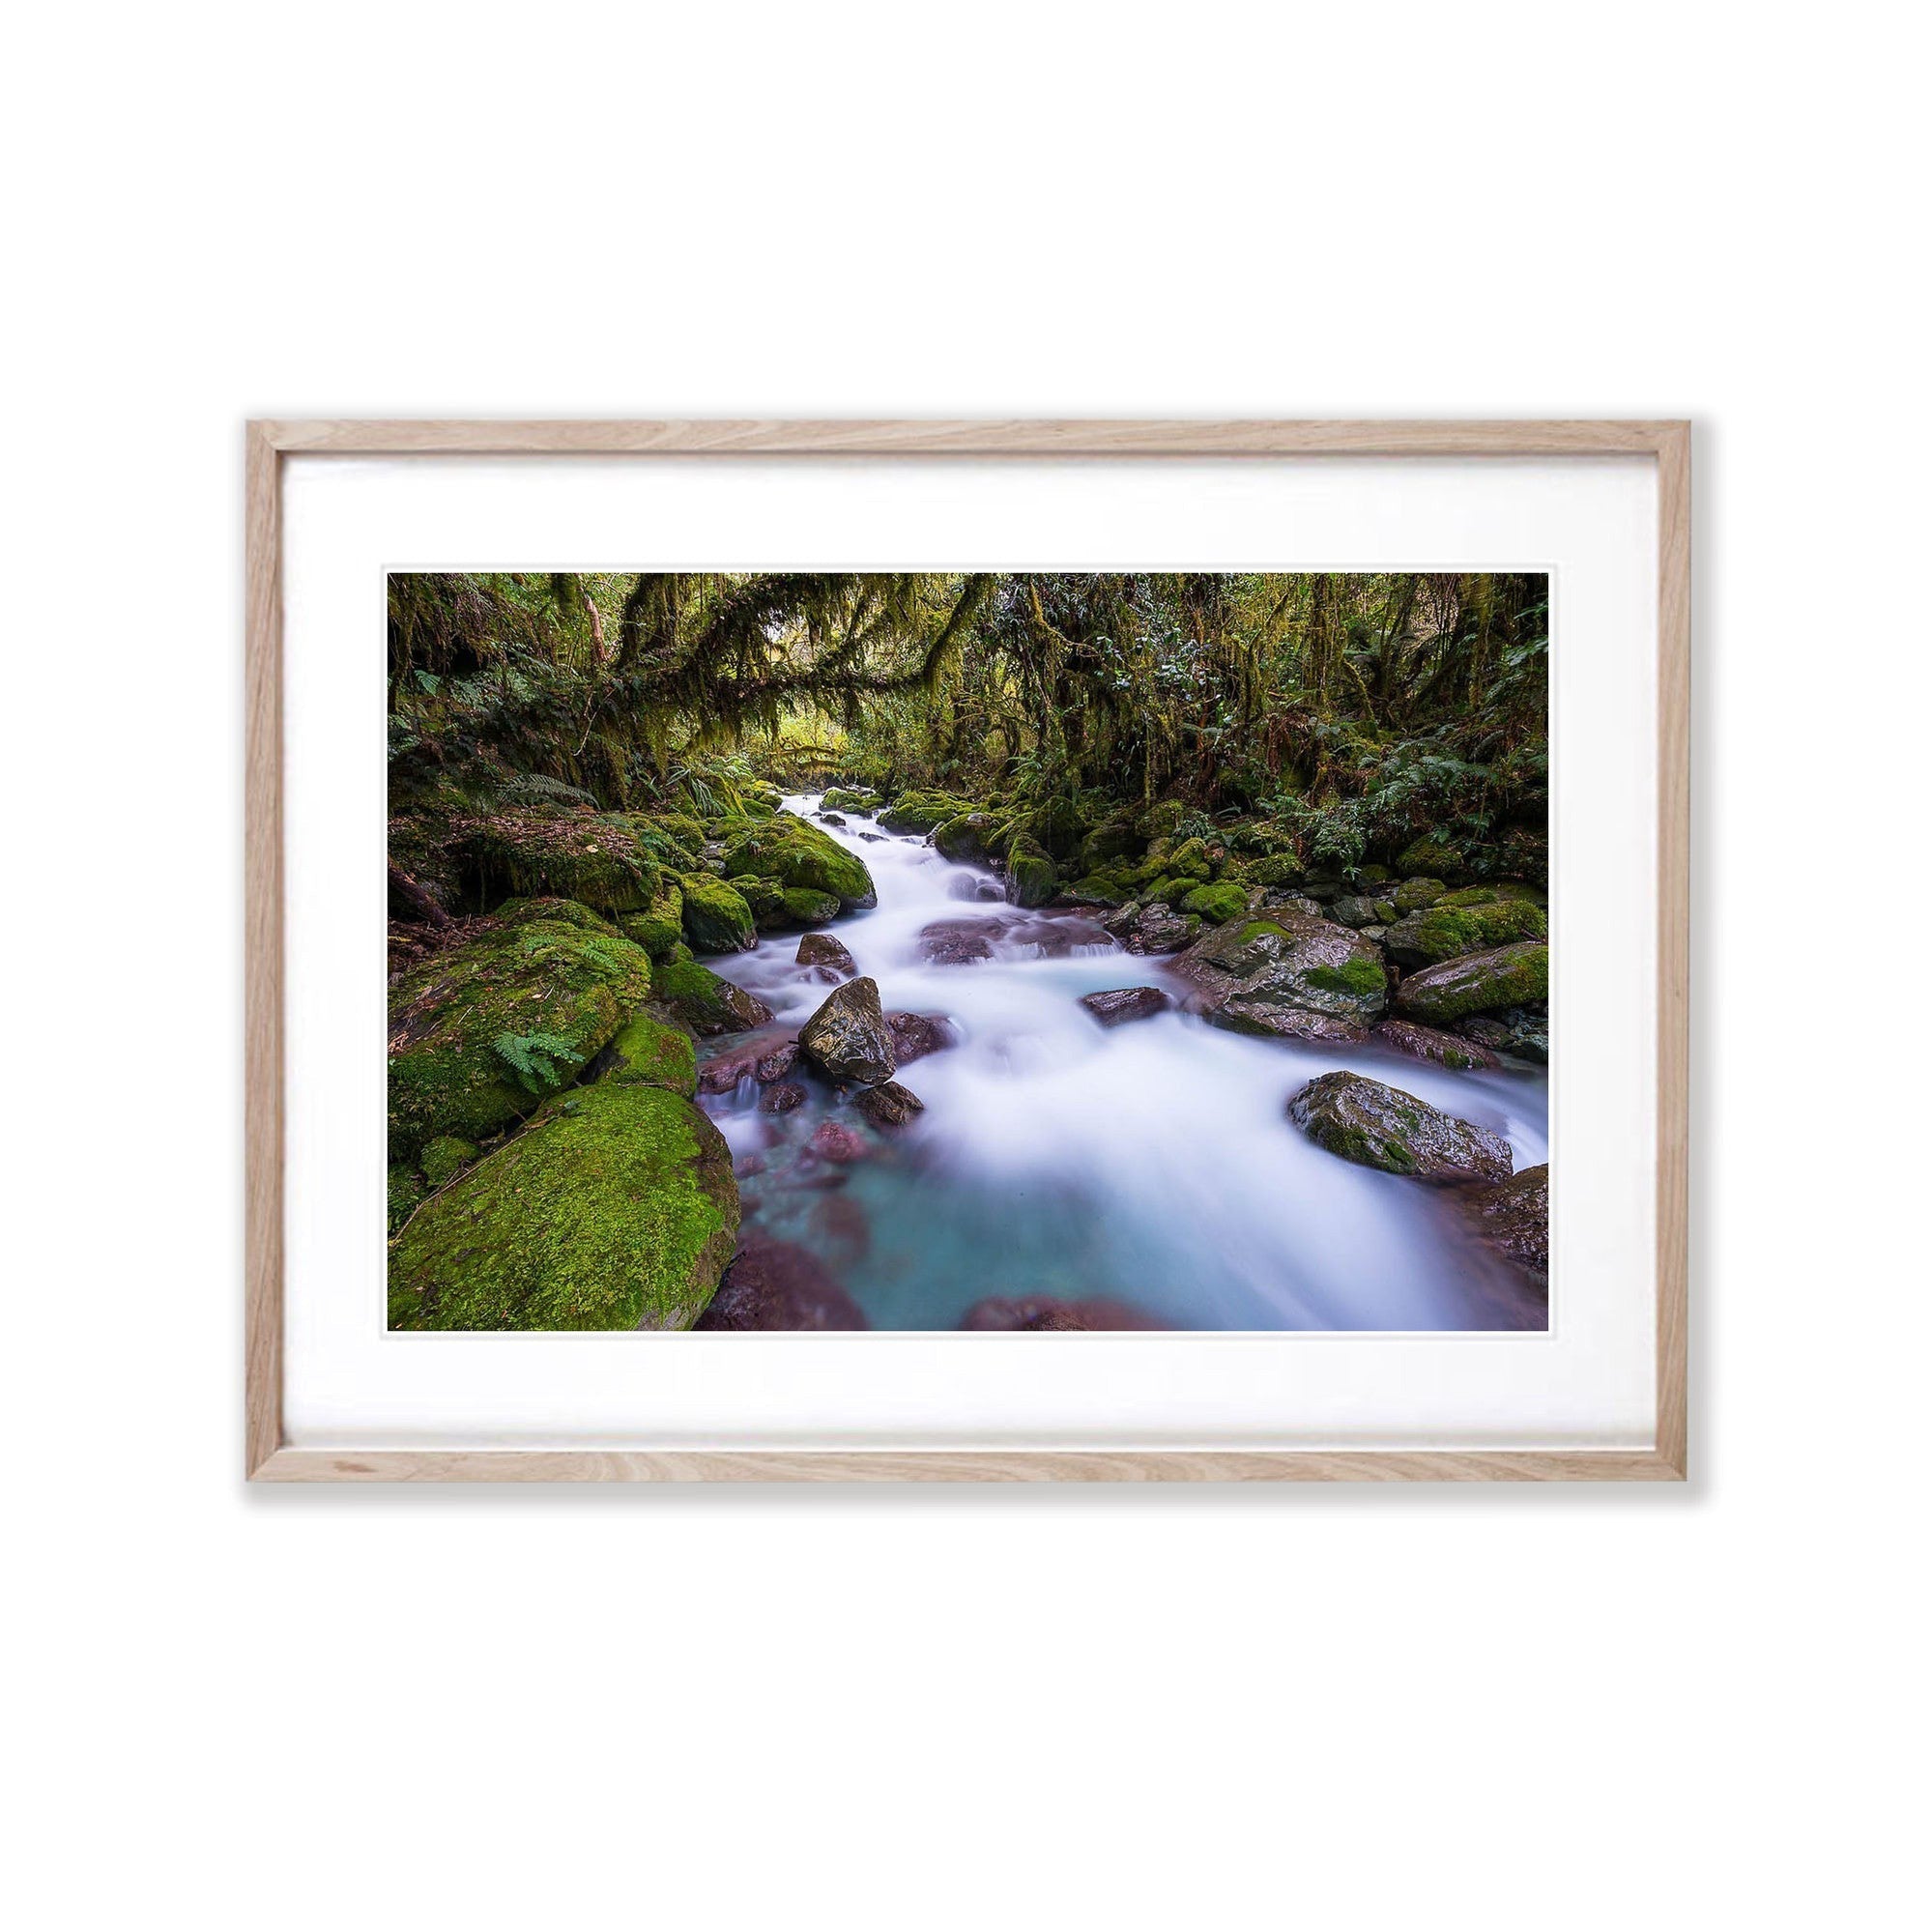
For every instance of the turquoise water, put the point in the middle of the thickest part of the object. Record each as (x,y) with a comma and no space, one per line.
(1150,1166)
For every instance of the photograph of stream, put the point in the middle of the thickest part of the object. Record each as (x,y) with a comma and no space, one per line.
(1005,953)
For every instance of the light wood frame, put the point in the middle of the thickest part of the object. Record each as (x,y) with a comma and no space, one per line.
(269,1458)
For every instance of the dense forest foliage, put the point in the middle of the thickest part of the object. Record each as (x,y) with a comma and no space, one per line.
(1352,714)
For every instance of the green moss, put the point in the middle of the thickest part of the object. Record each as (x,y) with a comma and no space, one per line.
(922,811)
(542,977)
(848,798)
(803,907)
(1477,983)
(445,1158)
(1448,932)
(596,859)
(1416,895)
(1190,860)
(1281,869)
(661,925)
(1434,856)
(964,840)
(799,855)
(648,1051)
(563,912)
(1030,878)
(617,1210)
(716,917)
(767,899)
(706,1003)
(407,1188)
(1359,977)
(1217,903)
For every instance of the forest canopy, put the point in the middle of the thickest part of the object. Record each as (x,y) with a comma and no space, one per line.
(1353,713)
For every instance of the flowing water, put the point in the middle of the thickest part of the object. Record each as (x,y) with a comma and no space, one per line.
(1150,1166)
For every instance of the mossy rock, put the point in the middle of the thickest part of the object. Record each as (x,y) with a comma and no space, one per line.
(407,1188)
(1433,857)
(1445,931)
(803,907)
(800,854)
(1190,860)
(1276,975)
(445,1158)
(923,811)
(716,917)
(649,1052)
(1477,983)
(963,839)
(1098,888)
(850,799)
(767,899)
(617,1210)
(678,836)
(1279,870)
(1030,878)
(661,925)
(709,1006)
(1217,903)
(1113,838)
(564,911)
(1162,819)
(1380,1126)
(478,1035)
(595,859)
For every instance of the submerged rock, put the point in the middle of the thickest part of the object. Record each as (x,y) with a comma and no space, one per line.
(847,1038)
(616,1210)
(822,950)
(765,1058)
(889,1104)
(1035,1313)
(1425,1043)
(799,855)
(1380,1126)
(1124,1003)
(914,1035)
(1478,983)
(706,1003)
(833,1141)
(480,1033)
(1514,1218)
(956,942)
(1522,1032)
(782,1097)
(779,1284)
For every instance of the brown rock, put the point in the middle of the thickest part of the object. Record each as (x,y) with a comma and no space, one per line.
(1425,1043)
(889,1104)
(837,1142)
(779,1284)
(1380,1126)
(1514,1217)
(781,1097)
(829,955)
(914,1035)
(847,1038)
(1125,1003)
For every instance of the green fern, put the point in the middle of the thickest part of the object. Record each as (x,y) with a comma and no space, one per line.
(541,1062)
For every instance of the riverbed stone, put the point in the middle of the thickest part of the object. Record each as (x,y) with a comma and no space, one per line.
(1442,933)
(889,1104)
(1293,977)
(778,1284)
(1514,1218)
(914,1035)
(833,1141)
(1476,983)
(1380,1126)
(1148,930)
(1117,1007)
(847,1038)
(1428,1043)
(957,941)
(1521,1031)
(827,954)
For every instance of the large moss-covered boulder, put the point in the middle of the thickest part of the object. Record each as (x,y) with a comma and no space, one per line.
(698,998)
(1439,933)
(1217,903)
(660,926)
(1031,877)
(850,799)
(965,839)
(617,1210)
(646,1052)
(1432,856)
(478,1035)
(595,859)
(716,917)
(923,811)
(1380,1126)
(1112,839)
(800,854)
(1476,983)
(804,906)
(847,1038)
(1292,977)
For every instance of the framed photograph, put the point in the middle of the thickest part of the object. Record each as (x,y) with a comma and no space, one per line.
(968,951)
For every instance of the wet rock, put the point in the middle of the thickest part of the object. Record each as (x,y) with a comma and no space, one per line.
(1124,1003)
(1033,1313)
(1425,1043)
(717,917)
(832,818)
(956,943)
(847,1038)
(1380,1125)
(1478,983)
(1292,977)
(1032,879)
(914,1035)
(1521,1031)
(704,1002)
(748,1166)
(889,1104)
(1353,911)
(799,855)
(971,886)
(1417,895)
(829,953)
(781,1097)
(833,1141)
(964,840)
(778,1284)
(1450,931)
(765,1058)
(1149,930)
(1514,1218)
(1058,936)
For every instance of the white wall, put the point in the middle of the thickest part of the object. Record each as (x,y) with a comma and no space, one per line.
(1336,1709)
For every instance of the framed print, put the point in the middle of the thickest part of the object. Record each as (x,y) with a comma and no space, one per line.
(968,951)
